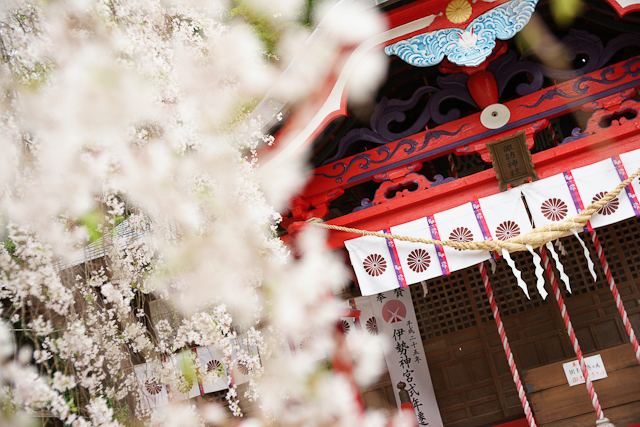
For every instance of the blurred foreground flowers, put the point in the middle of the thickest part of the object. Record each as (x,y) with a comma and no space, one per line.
(129,183)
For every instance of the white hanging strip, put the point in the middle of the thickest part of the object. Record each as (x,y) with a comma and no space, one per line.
(493,265)
(559,266)
(516,272)
(561,248)
(539,272)
(587,255)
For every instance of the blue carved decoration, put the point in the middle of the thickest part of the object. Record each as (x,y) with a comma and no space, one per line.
(471,46)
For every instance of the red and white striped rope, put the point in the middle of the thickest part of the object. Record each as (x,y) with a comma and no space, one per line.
(616,295)
(507,349)
(572,335)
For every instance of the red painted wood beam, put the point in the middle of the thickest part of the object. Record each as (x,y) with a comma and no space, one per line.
(591,149)
(467,135)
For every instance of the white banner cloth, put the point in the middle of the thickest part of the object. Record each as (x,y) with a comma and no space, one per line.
(184,362)
(419,262)
(505,215)
(381,265)
(593,182)
(549,200)
(396,319)
(462,225)
(211,359)
(372,264)
(154,394)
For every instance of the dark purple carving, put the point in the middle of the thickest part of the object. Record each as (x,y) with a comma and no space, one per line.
(590,48)
(599,103)
(575,135)
(408,143)
(364,204)
(439,180)
(549,95)
(632,67)
(507,67)
(390,111)
(437,134)
(454,86)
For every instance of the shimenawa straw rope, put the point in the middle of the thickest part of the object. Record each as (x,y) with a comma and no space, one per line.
(536,237)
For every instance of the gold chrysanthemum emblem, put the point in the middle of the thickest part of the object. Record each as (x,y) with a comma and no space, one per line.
(458,11)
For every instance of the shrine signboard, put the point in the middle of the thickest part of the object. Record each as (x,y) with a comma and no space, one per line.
(595,368)
(512,161)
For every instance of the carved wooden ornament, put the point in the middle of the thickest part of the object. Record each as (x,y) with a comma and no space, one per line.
(512,161)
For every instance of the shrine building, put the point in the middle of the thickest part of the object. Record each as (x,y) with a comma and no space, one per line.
(495,117)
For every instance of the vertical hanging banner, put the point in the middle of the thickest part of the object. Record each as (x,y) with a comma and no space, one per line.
(396,319)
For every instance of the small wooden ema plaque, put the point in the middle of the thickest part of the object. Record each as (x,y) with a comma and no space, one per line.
(512,160)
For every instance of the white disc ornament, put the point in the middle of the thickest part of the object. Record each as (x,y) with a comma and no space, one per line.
(495,116)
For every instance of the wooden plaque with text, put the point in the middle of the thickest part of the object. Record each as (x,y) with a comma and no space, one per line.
(512,161)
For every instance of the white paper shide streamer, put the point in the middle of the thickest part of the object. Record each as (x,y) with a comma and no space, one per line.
(587,255)
(539,272)
(521,283)
(563,276)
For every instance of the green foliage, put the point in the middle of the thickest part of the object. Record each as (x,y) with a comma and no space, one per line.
(270,30)
(91,220)
(10,246)
(565,11)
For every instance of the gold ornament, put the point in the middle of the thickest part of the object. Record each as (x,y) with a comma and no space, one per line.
(458,11)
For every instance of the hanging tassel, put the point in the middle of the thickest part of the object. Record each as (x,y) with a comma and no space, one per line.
(561,248)
(539,272)
(563,276)
(587,255)
(516,272)
(493,265)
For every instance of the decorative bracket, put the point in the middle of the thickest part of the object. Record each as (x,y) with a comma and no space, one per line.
(470,46)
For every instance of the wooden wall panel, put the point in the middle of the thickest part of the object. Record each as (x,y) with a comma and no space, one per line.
(469,370)
(558,404)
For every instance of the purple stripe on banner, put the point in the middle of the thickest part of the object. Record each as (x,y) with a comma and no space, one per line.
(442,259)
(395,259)
(482,222)
(575,195)
(631,193)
